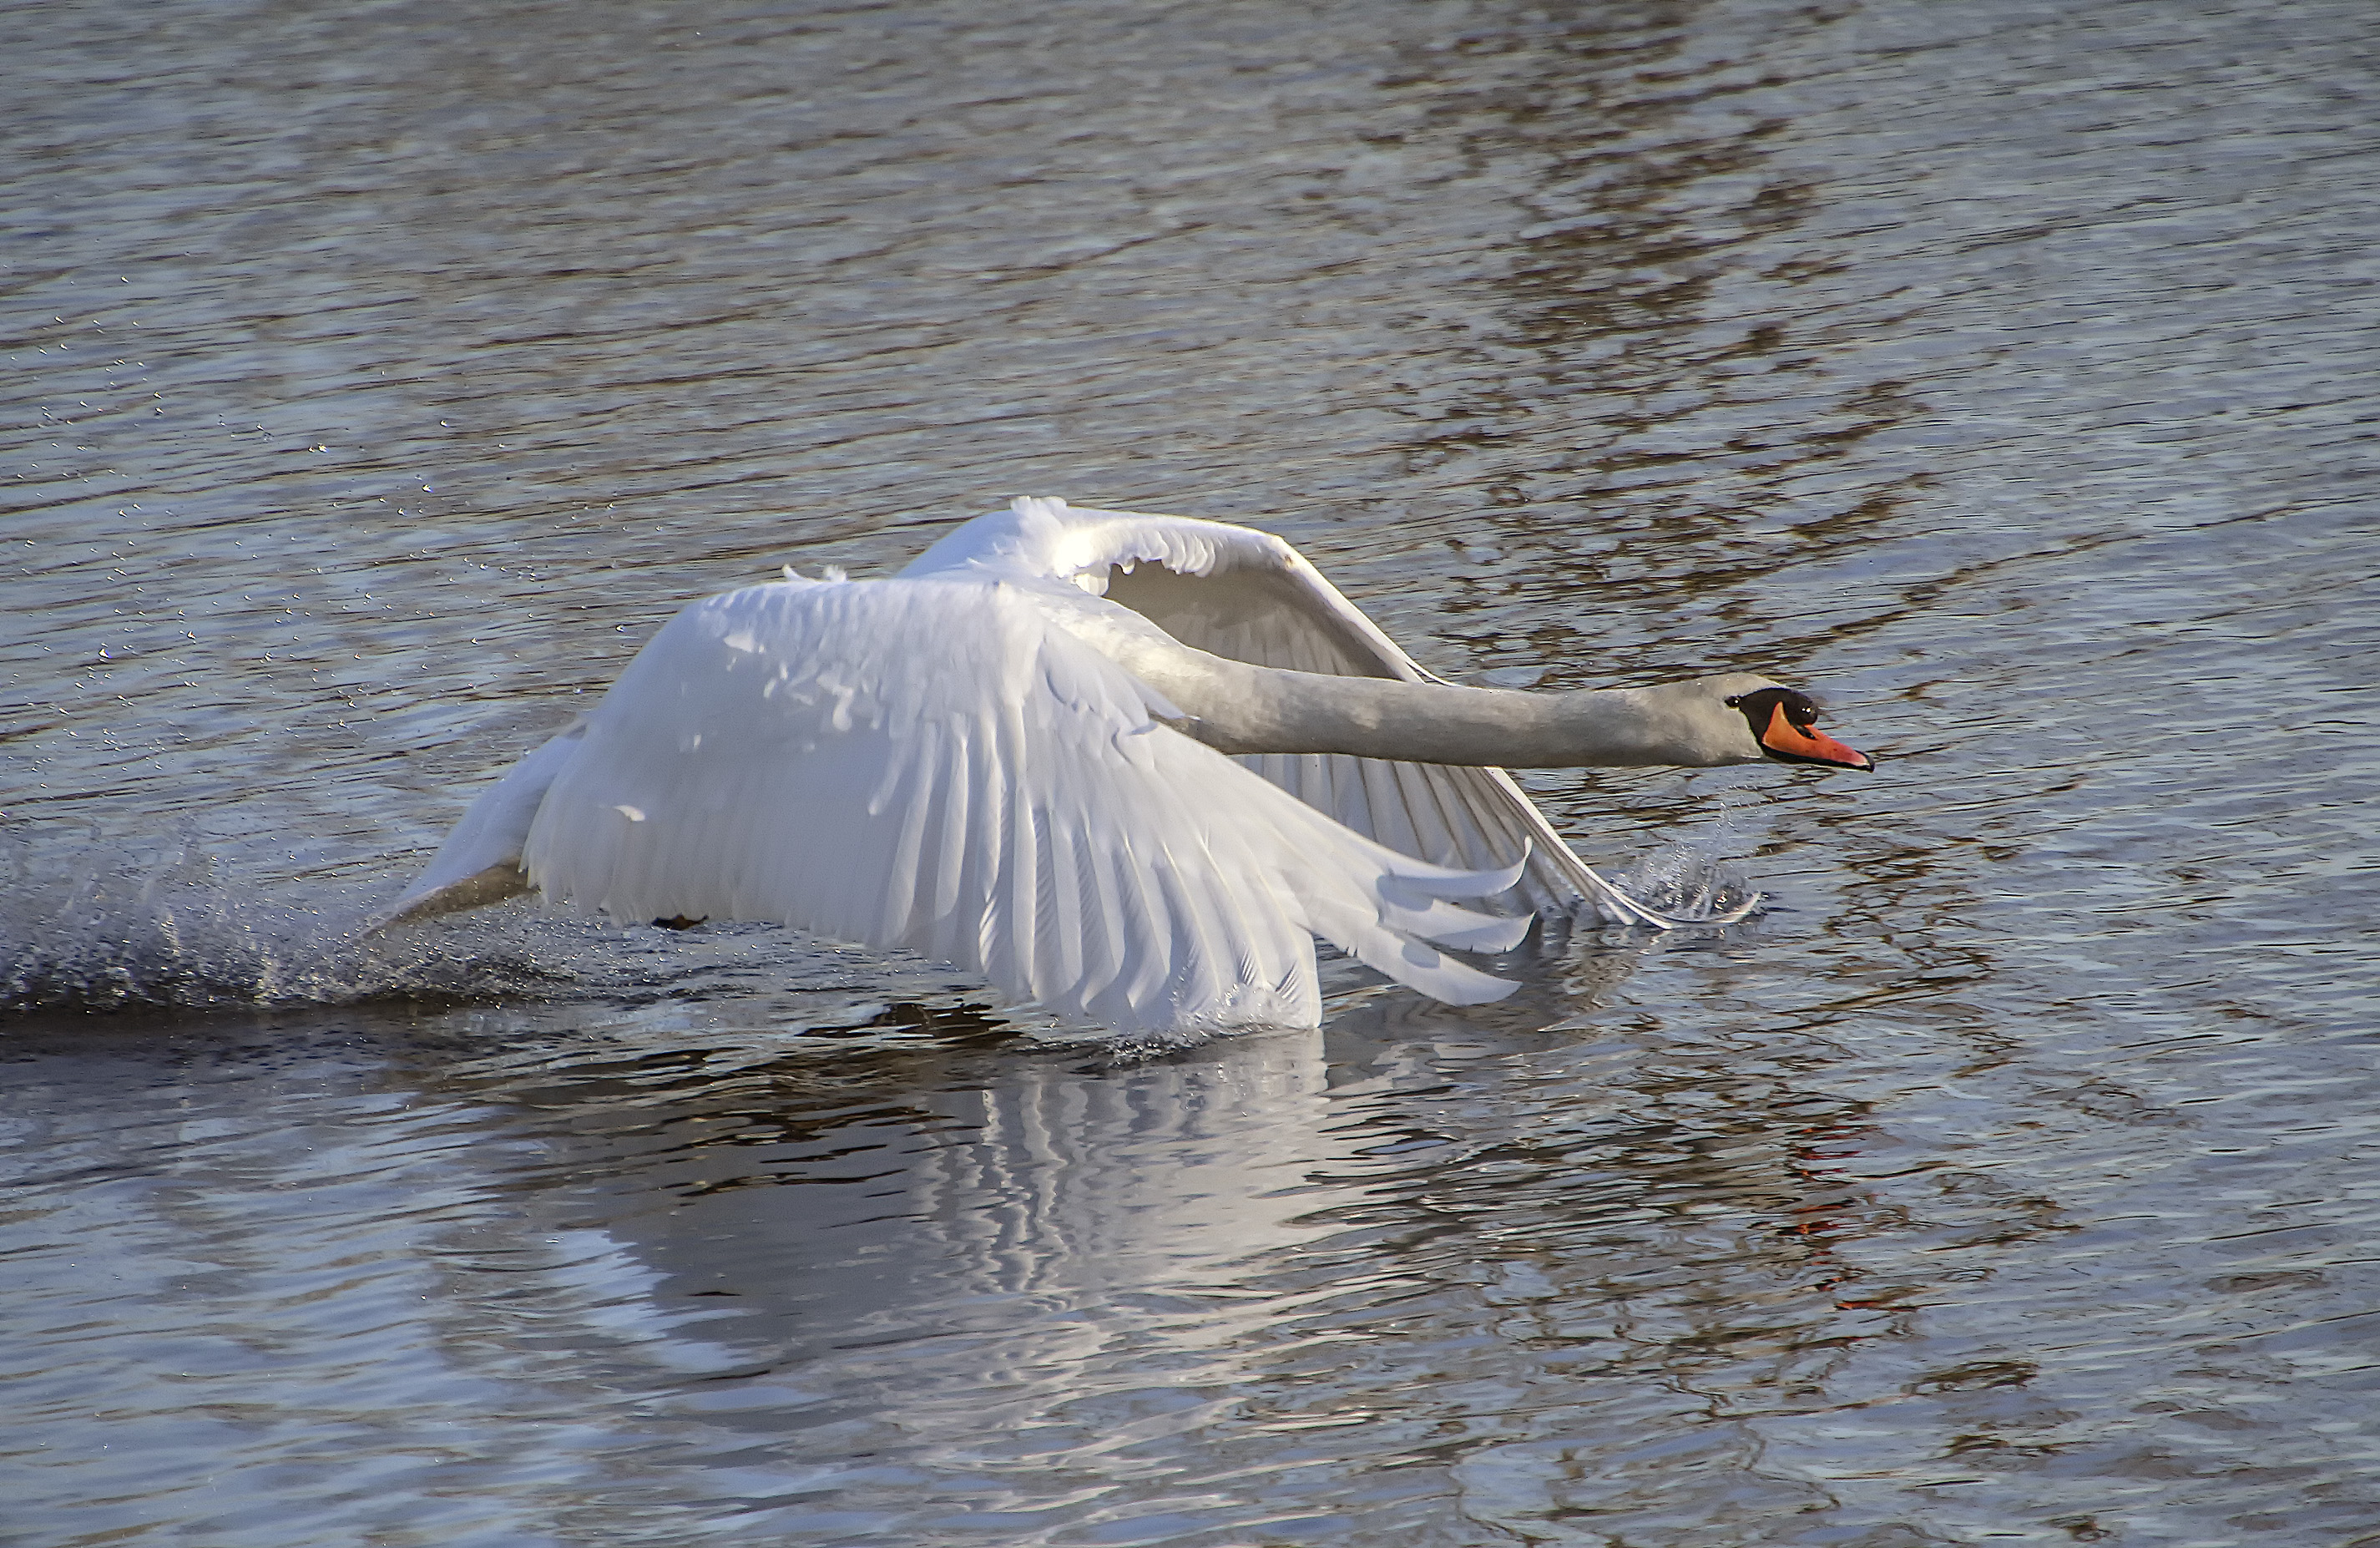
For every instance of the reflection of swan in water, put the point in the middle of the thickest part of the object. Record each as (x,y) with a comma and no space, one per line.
(1011,757)
(955,1260)
(1160,1178)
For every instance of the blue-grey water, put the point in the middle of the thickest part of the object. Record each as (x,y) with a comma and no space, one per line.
(378,376)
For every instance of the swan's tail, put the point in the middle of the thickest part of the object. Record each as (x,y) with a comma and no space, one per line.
(481,862)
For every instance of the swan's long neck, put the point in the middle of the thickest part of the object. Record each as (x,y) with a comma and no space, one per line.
(1237,708)
(1255,709)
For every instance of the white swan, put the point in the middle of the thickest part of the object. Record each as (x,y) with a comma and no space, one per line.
(1012,757)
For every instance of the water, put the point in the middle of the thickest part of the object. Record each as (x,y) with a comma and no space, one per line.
(379,377)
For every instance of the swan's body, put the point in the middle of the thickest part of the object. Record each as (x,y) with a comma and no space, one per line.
(1012,756)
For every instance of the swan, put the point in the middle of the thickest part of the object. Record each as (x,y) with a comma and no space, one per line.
(1126,765)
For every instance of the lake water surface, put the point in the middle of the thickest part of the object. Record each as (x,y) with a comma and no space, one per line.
(380,376)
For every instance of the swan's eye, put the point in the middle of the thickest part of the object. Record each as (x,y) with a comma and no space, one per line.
(1735,701)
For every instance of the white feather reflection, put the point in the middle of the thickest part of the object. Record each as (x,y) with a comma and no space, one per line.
(1096,1187)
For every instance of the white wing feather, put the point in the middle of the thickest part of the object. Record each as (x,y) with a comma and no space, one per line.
(931,763)
(1248,595)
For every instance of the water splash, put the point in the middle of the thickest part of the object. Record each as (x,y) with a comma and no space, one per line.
(110,926)
(1691,881)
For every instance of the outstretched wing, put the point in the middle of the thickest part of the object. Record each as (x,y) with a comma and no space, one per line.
(1248,595)
(934,764)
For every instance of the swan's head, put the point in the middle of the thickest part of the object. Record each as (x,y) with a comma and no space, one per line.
(1783,723)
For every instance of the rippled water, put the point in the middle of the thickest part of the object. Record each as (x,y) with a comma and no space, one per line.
(380,376)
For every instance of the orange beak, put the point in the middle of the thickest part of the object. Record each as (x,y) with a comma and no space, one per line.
(1803,745)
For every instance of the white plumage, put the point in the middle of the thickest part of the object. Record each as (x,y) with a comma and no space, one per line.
(980,761)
